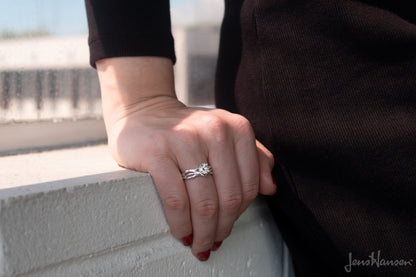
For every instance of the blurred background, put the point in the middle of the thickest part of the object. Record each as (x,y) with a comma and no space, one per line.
(46,80)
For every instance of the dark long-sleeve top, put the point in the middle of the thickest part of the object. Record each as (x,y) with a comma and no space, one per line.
(330,88)
(129,28)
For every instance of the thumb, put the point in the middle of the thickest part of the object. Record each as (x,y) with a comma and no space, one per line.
(266,162)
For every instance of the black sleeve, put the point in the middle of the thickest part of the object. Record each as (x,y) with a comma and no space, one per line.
(120,28)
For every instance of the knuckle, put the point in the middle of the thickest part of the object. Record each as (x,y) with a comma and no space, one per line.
(206,208)
(175,203)
(216,127)
(250,191)
(243,126)
(232,204)
(187,134)
(204,243)
(180,231)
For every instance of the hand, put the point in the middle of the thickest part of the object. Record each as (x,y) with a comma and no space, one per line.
(149,130)
(163,137)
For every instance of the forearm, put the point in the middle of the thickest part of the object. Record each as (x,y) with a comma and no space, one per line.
(128,81)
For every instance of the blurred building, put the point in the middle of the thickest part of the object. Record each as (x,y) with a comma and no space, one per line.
(50,77)
(196,50)
(47,78)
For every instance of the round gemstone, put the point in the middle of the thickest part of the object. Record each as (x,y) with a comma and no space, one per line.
(204,169)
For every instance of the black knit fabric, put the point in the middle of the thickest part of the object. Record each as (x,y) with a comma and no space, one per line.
(330,88)
(129,28)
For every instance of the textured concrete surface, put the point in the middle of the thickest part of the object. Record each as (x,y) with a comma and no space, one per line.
(34,168)
(75,213)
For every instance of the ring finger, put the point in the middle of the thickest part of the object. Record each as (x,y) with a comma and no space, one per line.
(203,201)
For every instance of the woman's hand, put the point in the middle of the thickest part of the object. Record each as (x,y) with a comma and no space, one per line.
(160,135)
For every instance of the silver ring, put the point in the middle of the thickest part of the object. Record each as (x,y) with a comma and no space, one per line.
(203,170)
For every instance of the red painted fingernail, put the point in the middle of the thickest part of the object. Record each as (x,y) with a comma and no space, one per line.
(187,241)
(204,256)
(216,245)
(274,180)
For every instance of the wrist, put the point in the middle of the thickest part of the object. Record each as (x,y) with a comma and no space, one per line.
(131,82)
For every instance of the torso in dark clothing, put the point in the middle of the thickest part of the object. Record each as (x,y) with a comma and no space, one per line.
(330,88)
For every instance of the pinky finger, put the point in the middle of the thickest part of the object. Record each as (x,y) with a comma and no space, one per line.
(266,163)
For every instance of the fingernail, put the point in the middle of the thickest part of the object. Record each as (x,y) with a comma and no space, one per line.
(204,256)
(187,241)
(274,180)
(216,245)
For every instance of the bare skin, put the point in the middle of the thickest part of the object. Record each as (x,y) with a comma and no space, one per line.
(149,130)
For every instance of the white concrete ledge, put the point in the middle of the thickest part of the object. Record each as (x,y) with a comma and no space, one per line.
(112,224)
(17,138)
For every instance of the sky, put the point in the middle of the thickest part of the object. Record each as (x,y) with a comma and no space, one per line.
(67,17)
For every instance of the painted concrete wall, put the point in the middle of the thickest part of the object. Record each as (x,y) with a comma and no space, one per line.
(75,213)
